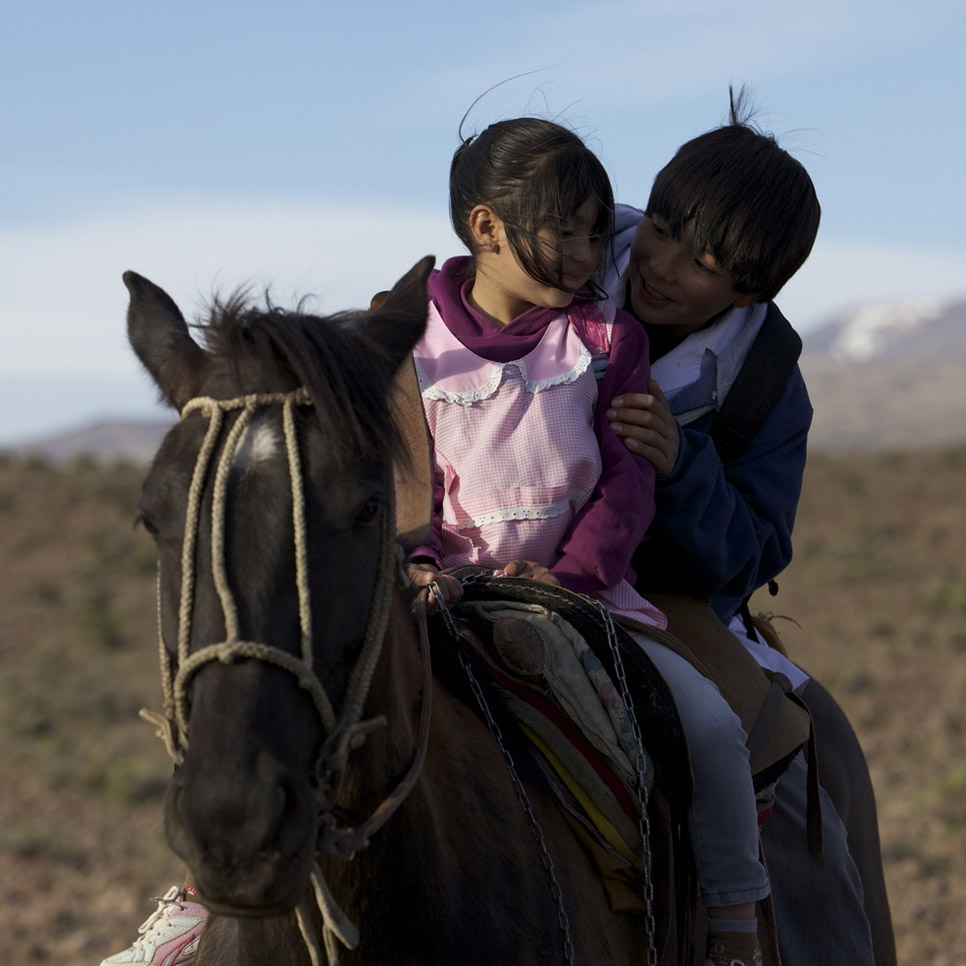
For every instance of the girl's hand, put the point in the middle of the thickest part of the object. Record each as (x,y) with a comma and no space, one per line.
(647,426)
(531,571)
(450,589)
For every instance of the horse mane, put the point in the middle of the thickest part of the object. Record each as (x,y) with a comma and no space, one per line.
(347,375)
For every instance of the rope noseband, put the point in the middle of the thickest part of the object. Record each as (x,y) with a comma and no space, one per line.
(345,730)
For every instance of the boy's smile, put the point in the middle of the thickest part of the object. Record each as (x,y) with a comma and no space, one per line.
(649,294)
(674,286)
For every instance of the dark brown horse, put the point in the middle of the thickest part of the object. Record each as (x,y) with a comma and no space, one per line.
(298,702)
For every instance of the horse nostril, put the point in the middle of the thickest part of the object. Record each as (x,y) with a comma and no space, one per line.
(281,803)
(292,801)
(181,840)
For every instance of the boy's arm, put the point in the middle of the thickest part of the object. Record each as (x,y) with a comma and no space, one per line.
(725,529)
(596,551)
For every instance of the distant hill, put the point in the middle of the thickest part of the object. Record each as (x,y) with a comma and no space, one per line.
(134,441)
(886,376)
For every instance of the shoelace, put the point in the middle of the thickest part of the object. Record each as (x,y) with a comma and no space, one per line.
(170,898)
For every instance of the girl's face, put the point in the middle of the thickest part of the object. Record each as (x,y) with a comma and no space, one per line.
(574,242)
(504,290)
(675,286)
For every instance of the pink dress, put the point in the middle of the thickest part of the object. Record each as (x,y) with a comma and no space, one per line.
(518,457)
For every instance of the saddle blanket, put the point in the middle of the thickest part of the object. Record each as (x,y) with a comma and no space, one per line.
(555,686)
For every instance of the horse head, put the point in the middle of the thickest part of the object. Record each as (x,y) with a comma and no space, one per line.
(271,504)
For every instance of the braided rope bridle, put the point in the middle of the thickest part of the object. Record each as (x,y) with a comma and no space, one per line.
(344,731)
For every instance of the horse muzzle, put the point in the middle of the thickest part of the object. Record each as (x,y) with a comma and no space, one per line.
(250,853)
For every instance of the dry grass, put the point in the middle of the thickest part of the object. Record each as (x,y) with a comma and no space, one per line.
(878,587)
(81,844)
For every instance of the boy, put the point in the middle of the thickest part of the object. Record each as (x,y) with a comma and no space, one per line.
(729,220)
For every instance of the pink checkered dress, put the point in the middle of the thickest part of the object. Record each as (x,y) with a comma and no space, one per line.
(516,447)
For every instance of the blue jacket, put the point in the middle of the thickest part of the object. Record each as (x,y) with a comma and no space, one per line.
(722,530)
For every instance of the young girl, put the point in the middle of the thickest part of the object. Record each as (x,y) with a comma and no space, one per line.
(530,479)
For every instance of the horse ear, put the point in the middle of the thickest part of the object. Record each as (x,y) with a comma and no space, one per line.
(397,321)
(159,336)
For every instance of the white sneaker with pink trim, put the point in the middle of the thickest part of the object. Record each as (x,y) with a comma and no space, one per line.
(169,936)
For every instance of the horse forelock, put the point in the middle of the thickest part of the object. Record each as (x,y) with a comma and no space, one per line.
(347,376)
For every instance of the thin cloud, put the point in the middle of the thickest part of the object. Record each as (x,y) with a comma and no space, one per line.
(62,308)
(64,304)
(668,50)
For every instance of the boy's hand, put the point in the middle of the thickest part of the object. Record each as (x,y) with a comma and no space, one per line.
(450,589)
(532,571)
(648,427)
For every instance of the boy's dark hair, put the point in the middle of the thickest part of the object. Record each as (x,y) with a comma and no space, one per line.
(533,174)
(751,204)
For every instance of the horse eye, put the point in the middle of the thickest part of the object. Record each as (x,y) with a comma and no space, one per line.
(369,513)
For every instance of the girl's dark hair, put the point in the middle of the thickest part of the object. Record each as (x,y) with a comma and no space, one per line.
(533,174)
(750,203)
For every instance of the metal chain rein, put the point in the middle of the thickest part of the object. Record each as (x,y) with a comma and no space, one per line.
(545,857)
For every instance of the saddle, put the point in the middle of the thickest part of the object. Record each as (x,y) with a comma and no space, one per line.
(529,647)
(773,716)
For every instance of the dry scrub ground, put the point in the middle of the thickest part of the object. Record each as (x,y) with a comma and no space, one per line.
(878,586)
(878,589)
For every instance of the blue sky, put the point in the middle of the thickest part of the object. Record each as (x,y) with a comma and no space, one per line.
(306,145)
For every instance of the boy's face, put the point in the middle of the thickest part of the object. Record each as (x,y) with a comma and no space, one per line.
(672,285)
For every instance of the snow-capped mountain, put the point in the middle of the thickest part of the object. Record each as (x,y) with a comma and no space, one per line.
(914,329)
(889,376)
